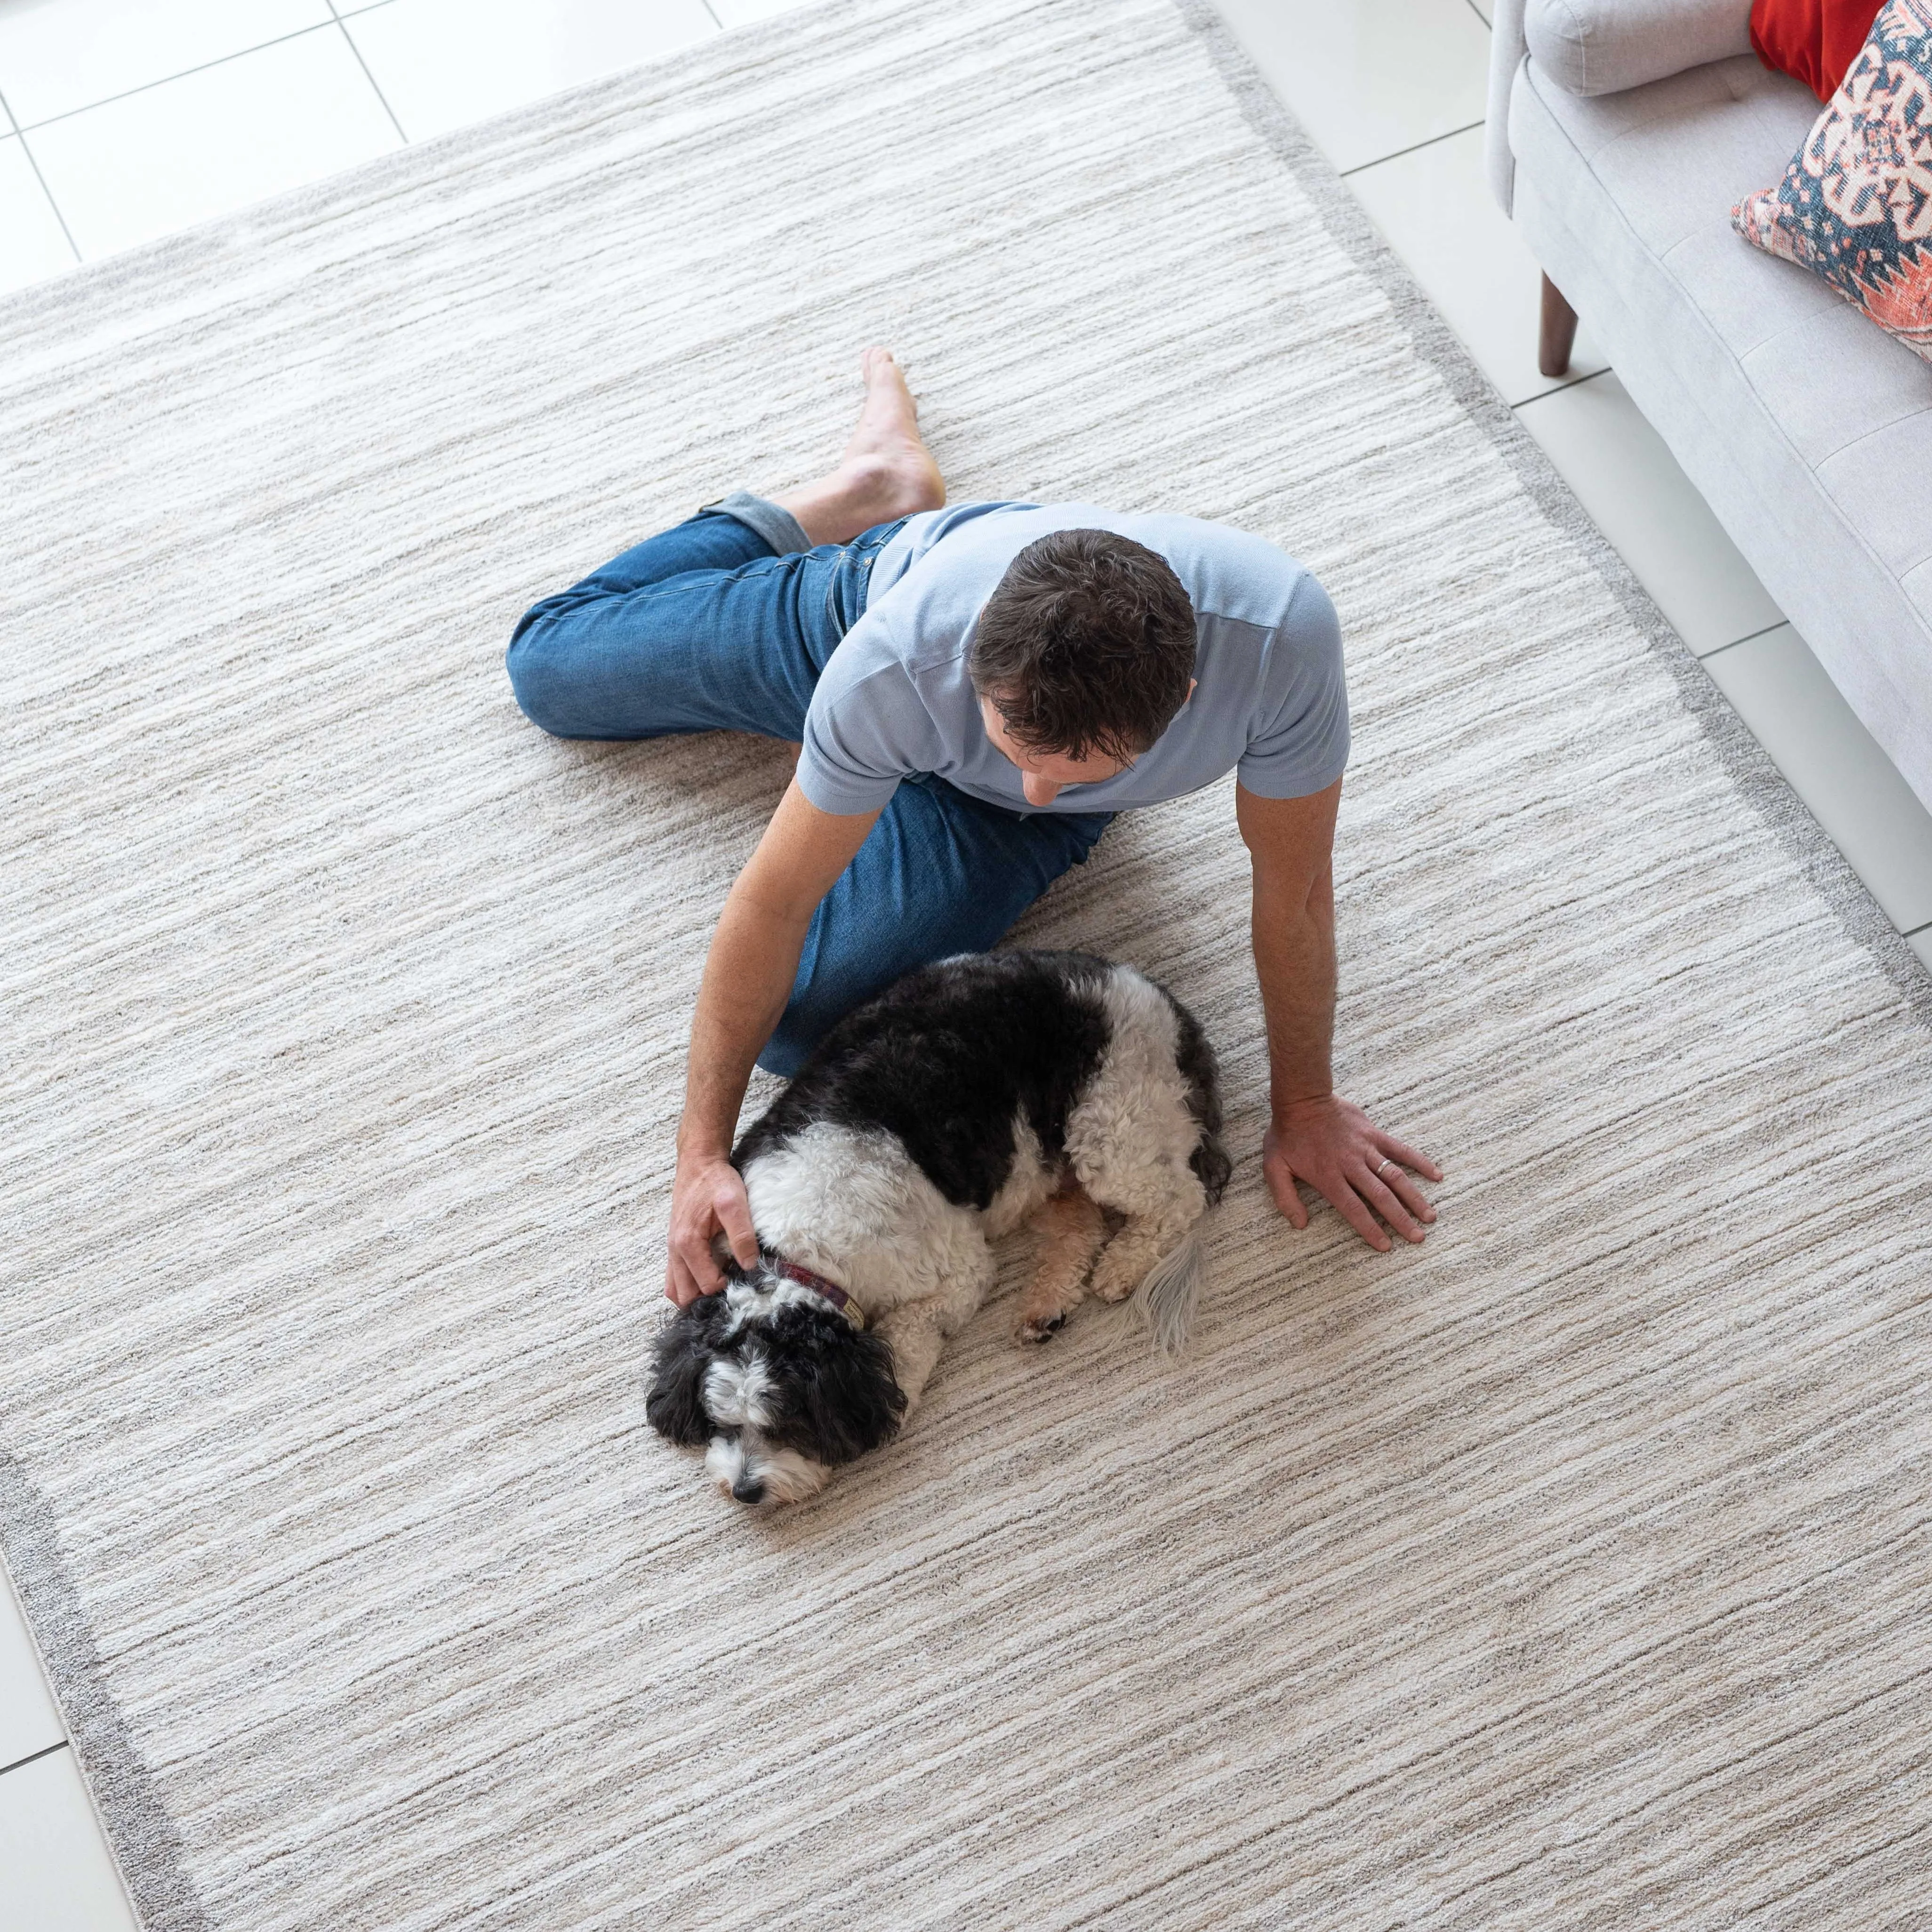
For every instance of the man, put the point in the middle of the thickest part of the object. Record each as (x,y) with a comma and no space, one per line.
(975,692)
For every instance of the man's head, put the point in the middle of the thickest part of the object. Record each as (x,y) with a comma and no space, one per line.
(1082,656)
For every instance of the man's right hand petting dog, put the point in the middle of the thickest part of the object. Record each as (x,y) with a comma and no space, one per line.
(972,1096)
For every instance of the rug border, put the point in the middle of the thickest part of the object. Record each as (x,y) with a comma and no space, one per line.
(1746,763)
(135,1825)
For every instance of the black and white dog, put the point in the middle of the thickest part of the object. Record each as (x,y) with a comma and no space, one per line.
(974,1095)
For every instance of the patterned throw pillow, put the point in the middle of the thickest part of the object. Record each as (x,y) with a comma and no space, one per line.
(1855,206)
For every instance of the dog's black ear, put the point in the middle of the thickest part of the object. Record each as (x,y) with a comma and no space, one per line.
(675,1406)
(834,1385)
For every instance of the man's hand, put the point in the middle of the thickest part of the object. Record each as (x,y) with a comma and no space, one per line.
(1334,1146)
(748,978)
(707,1198)
(1316,1135)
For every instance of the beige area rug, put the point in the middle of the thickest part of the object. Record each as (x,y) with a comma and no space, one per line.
(1570,1572)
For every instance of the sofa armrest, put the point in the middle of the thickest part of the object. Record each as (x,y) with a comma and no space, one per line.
(1602,47)
(1599,46)
(1506,53)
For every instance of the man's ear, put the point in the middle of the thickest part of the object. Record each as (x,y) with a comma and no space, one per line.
(680,1358)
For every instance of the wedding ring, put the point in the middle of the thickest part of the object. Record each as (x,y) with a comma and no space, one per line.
(1383,1163)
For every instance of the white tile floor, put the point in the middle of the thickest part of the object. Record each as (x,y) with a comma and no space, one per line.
(123,119)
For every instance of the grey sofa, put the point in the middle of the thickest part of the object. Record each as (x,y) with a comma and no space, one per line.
(1621,134)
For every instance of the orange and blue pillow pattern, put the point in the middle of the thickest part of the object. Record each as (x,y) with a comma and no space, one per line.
(1855,206)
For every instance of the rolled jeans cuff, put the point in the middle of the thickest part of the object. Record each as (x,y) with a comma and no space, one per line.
(776,525)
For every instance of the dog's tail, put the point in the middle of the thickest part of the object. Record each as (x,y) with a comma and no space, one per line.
(1166,1297)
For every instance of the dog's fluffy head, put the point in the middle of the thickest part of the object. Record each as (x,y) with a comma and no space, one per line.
(781,1387)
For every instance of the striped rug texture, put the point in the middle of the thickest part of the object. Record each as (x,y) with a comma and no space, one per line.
(1569,1572)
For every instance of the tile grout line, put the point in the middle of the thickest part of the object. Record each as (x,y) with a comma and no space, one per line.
(1706,657)
(33,1757)
(1414,148)
(1568,383)
(20,134)
(1575,383)
(401,133)
(149,86)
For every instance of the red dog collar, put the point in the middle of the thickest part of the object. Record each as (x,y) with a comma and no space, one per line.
(832,1292)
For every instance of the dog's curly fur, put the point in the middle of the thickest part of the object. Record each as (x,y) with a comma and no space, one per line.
(974,1095)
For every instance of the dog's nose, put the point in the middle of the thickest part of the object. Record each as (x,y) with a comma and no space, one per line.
(746,1491)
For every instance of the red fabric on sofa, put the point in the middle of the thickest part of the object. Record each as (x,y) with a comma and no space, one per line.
(1814,41)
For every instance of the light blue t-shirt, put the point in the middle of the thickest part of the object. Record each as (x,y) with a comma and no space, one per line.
(895,700)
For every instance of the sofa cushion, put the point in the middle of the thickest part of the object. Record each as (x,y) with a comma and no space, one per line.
(1808,430)
(1603,47)
(1855,206)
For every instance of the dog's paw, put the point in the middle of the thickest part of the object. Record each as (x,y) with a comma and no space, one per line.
(1111,1288)
(1039,1328)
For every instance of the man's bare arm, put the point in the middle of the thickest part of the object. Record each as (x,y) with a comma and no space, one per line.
(748,978)
(1313,1133)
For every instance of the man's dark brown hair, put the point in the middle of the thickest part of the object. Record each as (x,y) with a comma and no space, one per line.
(1086,646)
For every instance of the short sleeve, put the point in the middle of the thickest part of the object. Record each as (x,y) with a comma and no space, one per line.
(865,730)
(1298,743)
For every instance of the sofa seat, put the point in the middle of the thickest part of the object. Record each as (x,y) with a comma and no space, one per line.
(1808,429)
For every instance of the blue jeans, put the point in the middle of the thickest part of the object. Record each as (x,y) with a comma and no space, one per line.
(712,627)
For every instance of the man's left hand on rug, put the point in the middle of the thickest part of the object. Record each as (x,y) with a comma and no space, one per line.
(1314,1134)
(1332,1144)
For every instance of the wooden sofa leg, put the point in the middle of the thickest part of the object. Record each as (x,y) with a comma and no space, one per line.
(1559,331)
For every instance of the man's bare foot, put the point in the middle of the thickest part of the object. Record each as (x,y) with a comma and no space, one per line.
(886,471)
